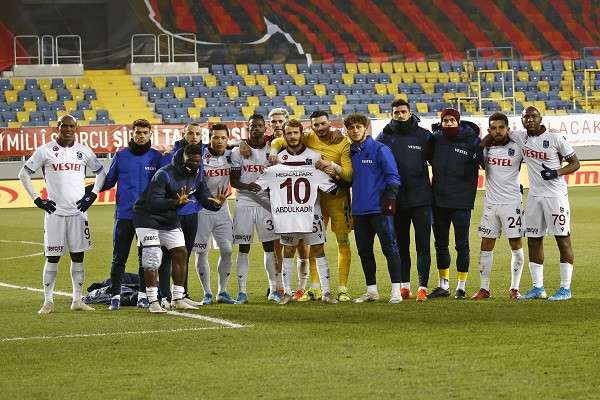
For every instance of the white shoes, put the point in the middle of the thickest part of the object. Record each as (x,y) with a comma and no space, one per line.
(79,305)
(395,299)
(47,308)
(155,308)
(192,302)
(181,304)
(164,303)
(367,297)
(328,298)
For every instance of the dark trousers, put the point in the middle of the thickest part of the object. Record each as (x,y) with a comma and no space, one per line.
(123,234)
(460,220)
(420,217)
(189,225)
(365,229)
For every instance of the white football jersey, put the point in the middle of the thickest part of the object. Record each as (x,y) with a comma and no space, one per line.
(64,172)
(216,170)
(294,194)
(502,164)
(251,168)
(548,149)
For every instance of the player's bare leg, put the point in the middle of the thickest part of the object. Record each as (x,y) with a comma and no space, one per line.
(77,276)
(179,273)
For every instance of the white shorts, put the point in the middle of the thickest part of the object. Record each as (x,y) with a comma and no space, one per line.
(317,236)
(246,218)
(501,218)
(149,237)
(215,223)
(547,216)
(62,232)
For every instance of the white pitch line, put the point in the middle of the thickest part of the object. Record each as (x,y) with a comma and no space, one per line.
(85,335)
(224,322)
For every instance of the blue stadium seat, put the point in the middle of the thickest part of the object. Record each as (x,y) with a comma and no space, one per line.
(339,68)
(278,69)
(217,69)
(31,84)
(185,80)
(254,69)
(197,80)
(49,115)
(82,105)
(57,83)
(303,69)
(229,69)
(266,69)
(315,69)
(101,114)
(89,94)
(146,83)
(5,84)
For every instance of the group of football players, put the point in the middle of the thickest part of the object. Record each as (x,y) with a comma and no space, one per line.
(290,184)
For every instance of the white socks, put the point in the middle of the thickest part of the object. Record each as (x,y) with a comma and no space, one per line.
(287,272)
(152,292)
(48,280)
(77,276)
(224,268)
(177,292)
(372,289)
(486,260)
(323,270)
(445,283)
(566,272)
(242,271)
(203,271)
(517,261)
(269,261)
(537,274)
(303,273)
(395,289)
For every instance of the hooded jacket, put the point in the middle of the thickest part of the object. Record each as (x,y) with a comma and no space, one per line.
(156,208)
(411,147)
(455,164)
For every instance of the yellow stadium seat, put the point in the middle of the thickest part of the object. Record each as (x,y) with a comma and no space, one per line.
(559,112)
(496,95)
(340,99)
(336,109)
(422,108)
(520,96)
(489,77)
(373,108)
(232,92)
(402,96)
(320,90)
(45,84)
(290,100)
(291,69)
(433,66)
(70,83)
(159,82)
(523,76)
(375,68)
(210,80)
(398,67)
(30,106)
(363,68)
(214,119)
(536,65)
(200,102)
(270,90)
(396,78)
(422,66)
(443,77)
(98,105)
(262,80)
(52,124)
(84,83)
(380,89)
(408,77)
(70,105)
(503,65)
(18,84)
(241,69)
(89,115)
(194,112)
(568,64)
(77,94)
(387,67)
(50,95)
(410,67)
(14,124)
(448,97)
(544,86)
(351,68)
(427,87)
(431,77)
(179,92)
(298,110)
(392,88)
(299,80)
(11,96)
(506,106)
(348,79)
(247,111)
(250,80)
(540,105)
(454,77)
(23,116)
(253,101)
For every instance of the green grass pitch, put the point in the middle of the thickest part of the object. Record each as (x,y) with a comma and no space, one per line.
(440,349)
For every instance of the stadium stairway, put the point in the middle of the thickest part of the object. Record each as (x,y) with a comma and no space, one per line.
(118,94)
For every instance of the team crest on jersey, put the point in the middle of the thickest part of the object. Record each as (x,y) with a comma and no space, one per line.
(207,156)
(79,155)
(309,161)
(511,152)
(284,157)
(546,144)
(55,148)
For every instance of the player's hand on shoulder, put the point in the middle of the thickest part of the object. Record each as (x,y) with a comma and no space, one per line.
(254,187)
(272,159)
(47,205)
(245,150)
(337,136)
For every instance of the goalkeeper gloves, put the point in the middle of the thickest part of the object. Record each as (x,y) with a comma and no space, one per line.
(548,174)
(86,201)
(47,205)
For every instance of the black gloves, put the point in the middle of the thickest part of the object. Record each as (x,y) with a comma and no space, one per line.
(86,201)
(548,173)
(47,205)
